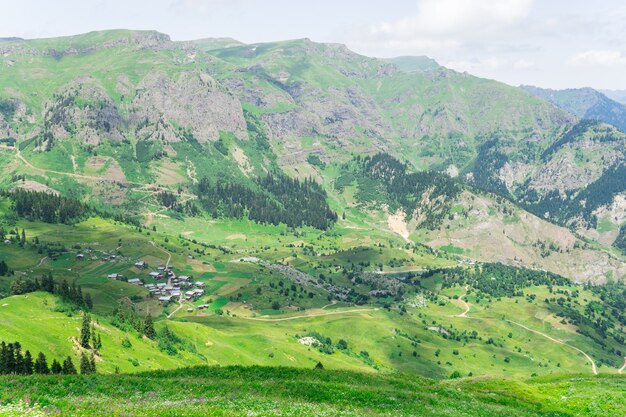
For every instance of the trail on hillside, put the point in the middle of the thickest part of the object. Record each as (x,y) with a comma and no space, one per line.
(169,255)
(621,370)
(594,369)
(180,305)
(362,310)
(151,187)
(593,364)
(466,306)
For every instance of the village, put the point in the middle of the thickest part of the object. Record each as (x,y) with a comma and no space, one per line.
(172,288)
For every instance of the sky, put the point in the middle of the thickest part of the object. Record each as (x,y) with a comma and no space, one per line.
(547,43)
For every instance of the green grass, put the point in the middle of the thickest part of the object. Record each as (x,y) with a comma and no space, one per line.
(34,321)
(240,391)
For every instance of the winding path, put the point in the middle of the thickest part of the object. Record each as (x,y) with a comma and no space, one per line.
(593,364)
(169,255)
(594,369)
(362,310)
(152,187)
(466,306)
(621,370)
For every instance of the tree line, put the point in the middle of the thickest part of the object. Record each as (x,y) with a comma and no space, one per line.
(14,362)
(276,199)
(70,293)
(401,188)
(53,208)
(498,280)
(46,207)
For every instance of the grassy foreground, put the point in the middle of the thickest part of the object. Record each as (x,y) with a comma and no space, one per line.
(239,391)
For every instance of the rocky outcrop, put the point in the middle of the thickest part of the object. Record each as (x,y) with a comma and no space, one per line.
(193,100)
(83,110)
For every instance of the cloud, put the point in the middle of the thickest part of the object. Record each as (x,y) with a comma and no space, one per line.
(202,7)
(599,57)
(450,23)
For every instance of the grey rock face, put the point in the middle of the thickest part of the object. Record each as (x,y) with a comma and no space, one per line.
(194,100)
(83,110)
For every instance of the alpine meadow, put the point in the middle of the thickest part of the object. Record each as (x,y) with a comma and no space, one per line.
(214,227)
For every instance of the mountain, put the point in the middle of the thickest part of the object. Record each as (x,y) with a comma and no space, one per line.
(414,63)
(133,107)
(585,103)
(617,95)
(272,206)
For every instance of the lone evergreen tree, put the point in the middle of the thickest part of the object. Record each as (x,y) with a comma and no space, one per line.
(41,364)
(68,367)
(85,331)
(85,365)
(148,328)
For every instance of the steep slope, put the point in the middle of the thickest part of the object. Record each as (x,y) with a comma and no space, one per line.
(433,209)
(36,322)
(585,103)
(341,99)
(119,116)
(617,95)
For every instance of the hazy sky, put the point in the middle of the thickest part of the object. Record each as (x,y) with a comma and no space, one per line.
(549,43)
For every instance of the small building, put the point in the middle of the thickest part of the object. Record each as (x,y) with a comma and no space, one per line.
(140,264)
(165,299)
(135,281)
(198,292)
(203,306)
(80,256)
(114,276)
(200,284)
(161,269)
(190,310)
(155,275)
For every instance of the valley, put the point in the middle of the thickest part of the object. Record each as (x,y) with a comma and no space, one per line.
(368,234)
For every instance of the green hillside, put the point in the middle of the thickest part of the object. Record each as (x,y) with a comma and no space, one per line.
(237,391)
(213,222)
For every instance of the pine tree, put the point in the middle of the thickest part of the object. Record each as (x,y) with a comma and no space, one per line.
(27,363)
(19,358)
(96,342)
(41,364)
(148,328)
(4,354)
(85,365)
(88,301)
(92,363)
(4,268)
(23,236)
(85,331)
(68,367)
(56,367)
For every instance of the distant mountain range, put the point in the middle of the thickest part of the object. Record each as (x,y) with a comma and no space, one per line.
(135,107)
(617,95)
(586,103)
